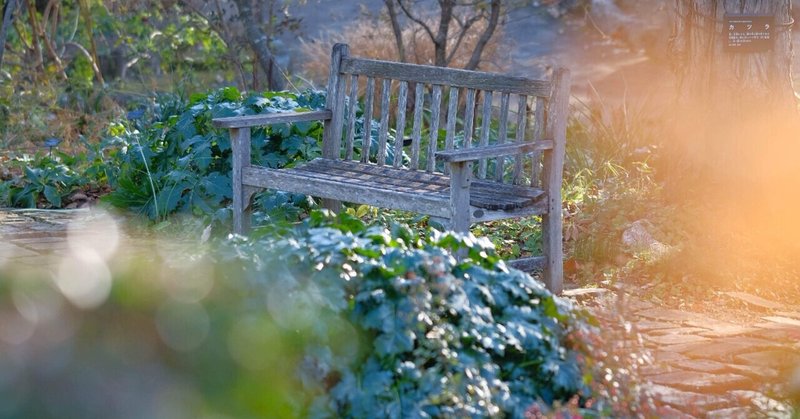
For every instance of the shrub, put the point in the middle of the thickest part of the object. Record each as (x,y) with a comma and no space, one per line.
(175,160)
(437,337)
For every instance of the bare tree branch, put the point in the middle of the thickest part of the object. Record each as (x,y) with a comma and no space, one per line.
(398,33)
(416,20)
(465,27)
(494,17)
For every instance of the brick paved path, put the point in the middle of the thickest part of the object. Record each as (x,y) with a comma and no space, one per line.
(703,367)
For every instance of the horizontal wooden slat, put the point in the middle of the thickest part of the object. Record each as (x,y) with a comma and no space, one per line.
(347,181)
(292,181)
(446,76)
(481,215)
(487,195)
(270,118)
(507,149)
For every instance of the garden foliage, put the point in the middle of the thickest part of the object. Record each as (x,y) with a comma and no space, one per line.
(436,337)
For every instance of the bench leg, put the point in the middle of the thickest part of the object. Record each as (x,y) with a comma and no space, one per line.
(331,204)
(460,174)
(553,248)
(240,146)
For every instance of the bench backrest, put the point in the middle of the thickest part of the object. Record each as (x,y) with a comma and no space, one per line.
(398,95)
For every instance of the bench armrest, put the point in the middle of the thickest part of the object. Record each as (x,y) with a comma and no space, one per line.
(491,151)
(270,118)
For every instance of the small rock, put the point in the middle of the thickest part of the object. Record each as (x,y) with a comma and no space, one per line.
(673,339)
(782,320)
(754,300)
(649,325)
(673,413)
(702,365)
(761,402)
(775,358)
(637,238)
(729,413)
(678,331)
(760,373)
(679,398)
(702,382)
(663,314)
(78,196)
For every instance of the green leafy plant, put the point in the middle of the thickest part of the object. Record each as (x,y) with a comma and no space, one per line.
(175,161)
(437,337)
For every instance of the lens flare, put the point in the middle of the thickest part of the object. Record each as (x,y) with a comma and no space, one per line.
(84,278)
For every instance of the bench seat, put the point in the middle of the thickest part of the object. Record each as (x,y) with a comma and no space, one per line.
(390,187)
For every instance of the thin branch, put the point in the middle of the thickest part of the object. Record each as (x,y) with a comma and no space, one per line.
(398,33)
(494,17)
(417,20)
(465,27)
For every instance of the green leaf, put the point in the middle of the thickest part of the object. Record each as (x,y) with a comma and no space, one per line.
(52,196)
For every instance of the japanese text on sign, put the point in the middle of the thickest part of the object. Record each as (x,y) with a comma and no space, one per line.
(749,33)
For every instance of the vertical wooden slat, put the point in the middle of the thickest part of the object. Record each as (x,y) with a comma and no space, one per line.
(519,137)
(332,135)
(469,117)
(402,97)
(486,124)
(419,101)
(436,105)
(553,159)
(240,145)
(539,124)
(386,90)
(502,134)
(366,141)
(452,117)
(351,117)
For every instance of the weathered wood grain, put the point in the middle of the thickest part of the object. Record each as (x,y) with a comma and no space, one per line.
(539,123)
(486,125)
(502,135)
(446,76)
(433,141)
(351,117)
(383,132)
(240,147)
(469,117)
(492,151)
(402,97)
(366,138)
(271,118)
(556,128)
(452,117)
(519,136)
(419,92)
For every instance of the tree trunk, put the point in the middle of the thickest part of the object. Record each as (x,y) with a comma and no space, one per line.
(259,42)
(737,128)
(735,109)
(8,14)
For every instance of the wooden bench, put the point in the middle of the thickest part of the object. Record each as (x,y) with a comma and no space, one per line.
(432,172)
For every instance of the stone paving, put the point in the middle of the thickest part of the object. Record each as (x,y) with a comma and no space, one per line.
(702,367)
(711,368)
